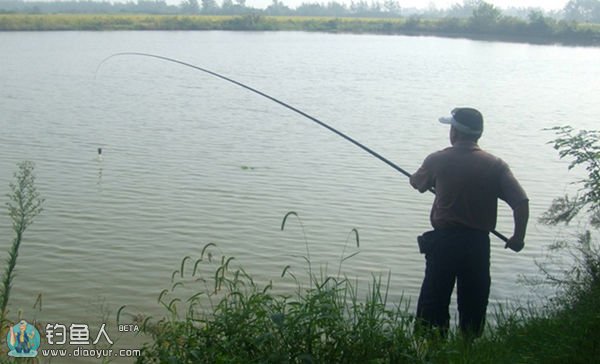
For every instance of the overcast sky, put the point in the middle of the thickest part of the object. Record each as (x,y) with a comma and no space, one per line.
(545,4)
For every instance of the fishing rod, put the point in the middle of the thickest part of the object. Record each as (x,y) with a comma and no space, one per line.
(351,140)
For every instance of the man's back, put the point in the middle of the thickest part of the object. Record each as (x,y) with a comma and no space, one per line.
(468,181)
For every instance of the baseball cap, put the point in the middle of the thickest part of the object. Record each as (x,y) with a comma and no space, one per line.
(467,120)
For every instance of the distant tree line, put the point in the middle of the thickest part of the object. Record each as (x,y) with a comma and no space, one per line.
(88,7)
(575,10)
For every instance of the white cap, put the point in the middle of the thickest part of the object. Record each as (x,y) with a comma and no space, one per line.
(466,120)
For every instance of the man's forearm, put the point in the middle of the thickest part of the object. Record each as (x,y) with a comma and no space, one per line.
(521,216)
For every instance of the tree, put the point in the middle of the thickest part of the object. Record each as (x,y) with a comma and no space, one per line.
(209,6)
(485,16)
(227,5)
(392,7)
(584,148)
(539,24)
(311,9)
(583,11)
(580,278)
(486,12)
(336,9)
(375,7)
(190,7)
(277,8)
(359,8)
(463,11)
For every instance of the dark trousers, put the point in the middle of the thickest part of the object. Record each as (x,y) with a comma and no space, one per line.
(461,256)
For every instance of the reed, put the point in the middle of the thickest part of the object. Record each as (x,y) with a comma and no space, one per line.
(24,205)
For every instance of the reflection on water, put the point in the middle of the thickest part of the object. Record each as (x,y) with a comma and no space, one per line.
(100,158)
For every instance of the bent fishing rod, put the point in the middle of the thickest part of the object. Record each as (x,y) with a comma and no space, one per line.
(298,111)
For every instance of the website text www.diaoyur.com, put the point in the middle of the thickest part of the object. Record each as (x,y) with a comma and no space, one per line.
(81,352)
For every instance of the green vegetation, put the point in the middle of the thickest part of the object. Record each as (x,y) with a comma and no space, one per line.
(330,322)
(25,204)
(482,26)
(231,319)
(584,149)
(580,25)
(585,11)
(234,320)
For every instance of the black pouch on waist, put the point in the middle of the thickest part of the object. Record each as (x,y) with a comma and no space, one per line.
(427,241)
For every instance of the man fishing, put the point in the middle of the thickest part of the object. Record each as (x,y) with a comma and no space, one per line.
(468,182)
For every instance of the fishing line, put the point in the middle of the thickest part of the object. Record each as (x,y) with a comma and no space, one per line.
(351,140)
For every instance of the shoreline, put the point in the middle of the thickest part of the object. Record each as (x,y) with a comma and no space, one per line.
(587,35)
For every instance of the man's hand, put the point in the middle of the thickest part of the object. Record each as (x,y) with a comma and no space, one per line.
(521,215)
(515,244)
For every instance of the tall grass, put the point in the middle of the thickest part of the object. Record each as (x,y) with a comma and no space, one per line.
(226,317)
(249,323)
(24,205)
(235,320)
(232,319)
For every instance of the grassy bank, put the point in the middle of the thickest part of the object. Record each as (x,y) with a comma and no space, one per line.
(507,29)
(234,320)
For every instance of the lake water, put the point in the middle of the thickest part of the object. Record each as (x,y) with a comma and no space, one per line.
(189,159)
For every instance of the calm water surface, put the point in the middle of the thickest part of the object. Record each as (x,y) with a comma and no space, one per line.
(189,159)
